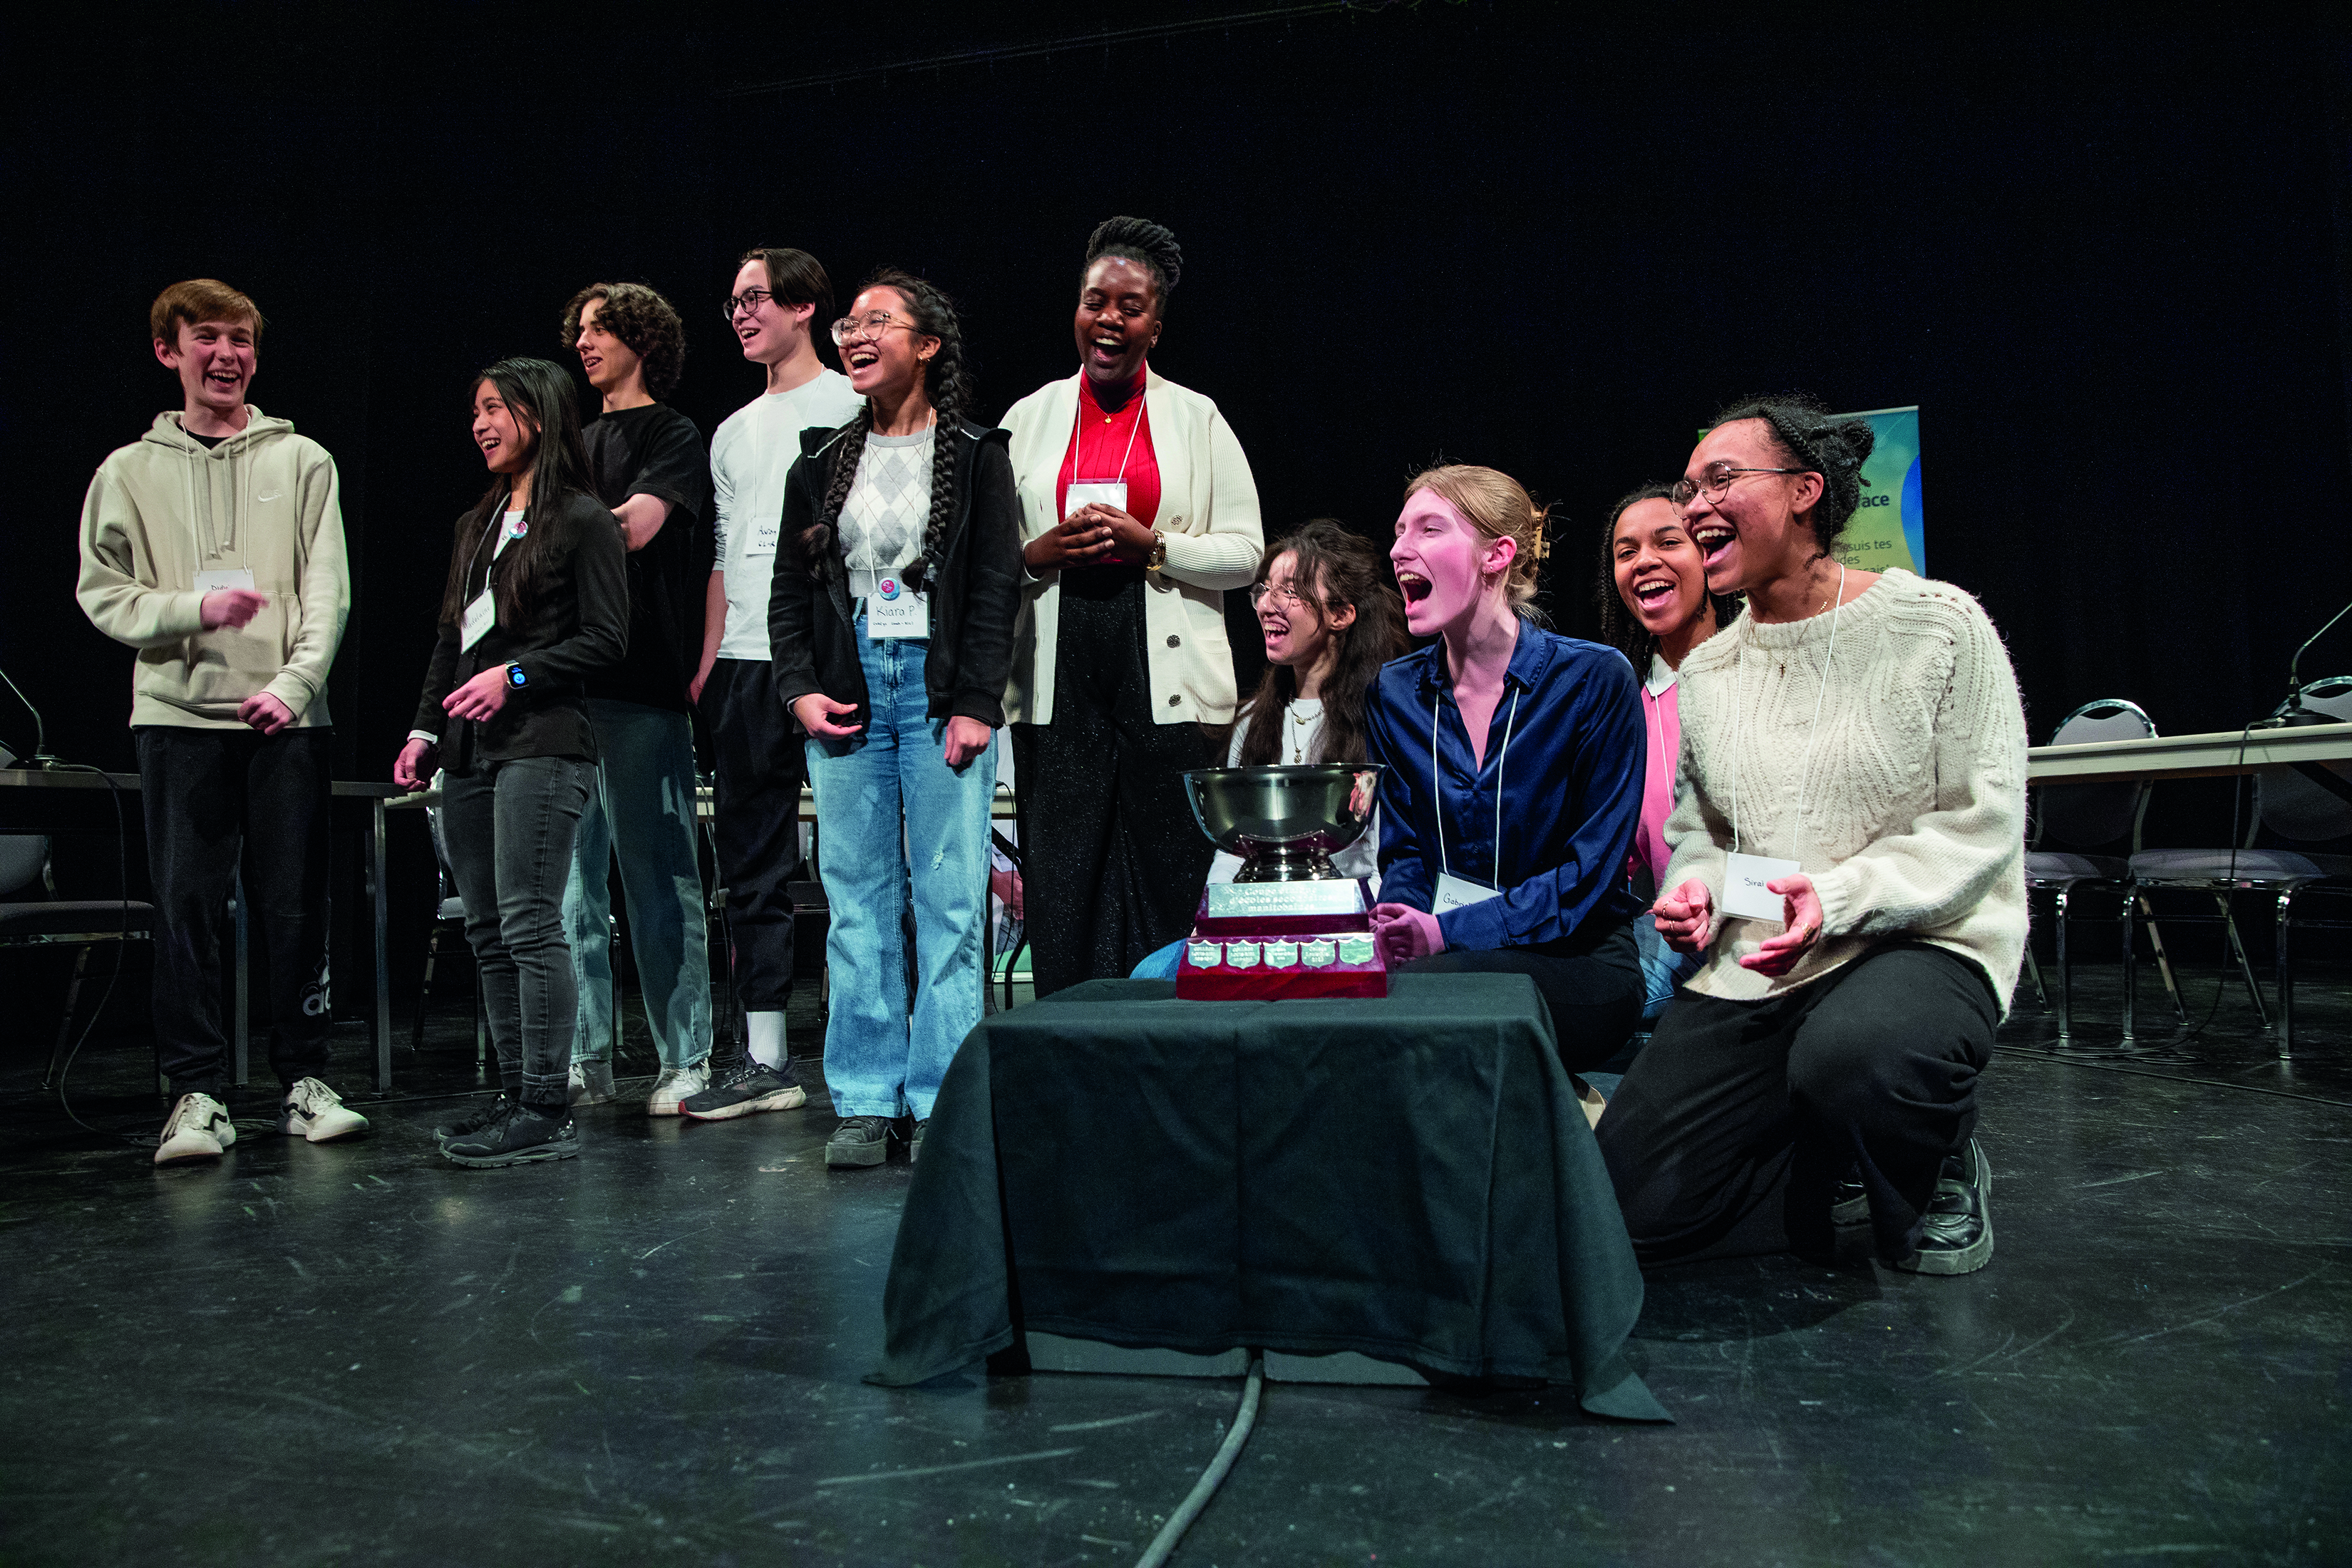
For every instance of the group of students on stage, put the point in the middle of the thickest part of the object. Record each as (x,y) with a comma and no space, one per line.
(1785,797)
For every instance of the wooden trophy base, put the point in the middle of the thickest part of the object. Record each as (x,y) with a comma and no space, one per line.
(1262,941)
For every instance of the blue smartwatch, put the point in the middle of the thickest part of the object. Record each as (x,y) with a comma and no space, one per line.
(515,676)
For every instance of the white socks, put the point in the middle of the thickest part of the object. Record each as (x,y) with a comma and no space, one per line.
(767,1036)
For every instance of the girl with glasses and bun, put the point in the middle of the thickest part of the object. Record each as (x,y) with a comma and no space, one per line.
(890,617)
(1514,772)
(536,601)
(1654,608)
(1138,513)
(1848,842)
(1331,619)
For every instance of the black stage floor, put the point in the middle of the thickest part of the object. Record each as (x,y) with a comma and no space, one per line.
(360,1353)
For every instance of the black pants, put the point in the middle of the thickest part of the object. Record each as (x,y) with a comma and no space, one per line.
(216,801)
(1736,1121)
(1595,996)
(760,761)
(509,827)
(1111,861)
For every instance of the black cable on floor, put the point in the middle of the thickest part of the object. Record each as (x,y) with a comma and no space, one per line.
(1163,1545)
(2170,1077)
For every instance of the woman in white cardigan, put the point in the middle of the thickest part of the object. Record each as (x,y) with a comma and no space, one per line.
(1138,513)
(1848,852)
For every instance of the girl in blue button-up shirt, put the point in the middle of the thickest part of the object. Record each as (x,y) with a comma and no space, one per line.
(1514,772)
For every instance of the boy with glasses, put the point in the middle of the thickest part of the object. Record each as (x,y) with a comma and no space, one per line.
(213,544)
(778,297)
(646,460)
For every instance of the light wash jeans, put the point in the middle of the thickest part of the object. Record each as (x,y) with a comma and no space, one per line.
(1662,969)
(643,805)
(877,794)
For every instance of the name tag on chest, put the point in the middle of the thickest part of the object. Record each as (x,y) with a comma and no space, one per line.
(1095,492)
(224,577)
(895,610)
(1459,892)
(1745,892)
(481,616)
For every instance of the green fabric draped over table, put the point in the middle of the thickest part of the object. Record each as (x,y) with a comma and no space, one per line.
(1409,1178)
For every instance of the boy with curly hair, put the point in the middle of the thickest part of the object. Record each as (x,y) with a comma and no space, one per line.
(647,462)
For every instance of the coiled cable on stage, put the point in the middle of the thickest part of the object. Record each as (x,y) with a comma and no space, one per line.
(1163,1545)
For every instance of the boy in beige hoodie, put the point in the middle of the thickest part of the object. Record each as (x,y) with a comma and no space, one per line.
(213,545)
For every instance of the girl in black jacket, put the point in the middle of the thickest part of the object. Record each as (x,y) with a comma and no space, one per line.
(537,598)
(890,622)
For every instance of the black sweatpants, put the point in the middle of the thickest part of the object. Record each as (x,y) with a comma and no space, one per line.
(761,761)
(1112,862)
(215,801)
(1595,996)
(1735,1122)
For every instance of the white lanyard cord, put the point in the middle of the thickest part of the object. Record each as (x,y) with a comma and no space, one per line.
(1437,797)
(1805,768)
(1078,425)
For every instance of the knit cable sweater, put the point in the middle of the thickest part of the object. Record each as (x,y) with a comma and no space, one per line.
(1914,801)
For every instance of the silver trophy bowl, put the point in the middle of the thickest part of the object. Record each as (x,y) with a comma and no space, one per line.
(1285,823)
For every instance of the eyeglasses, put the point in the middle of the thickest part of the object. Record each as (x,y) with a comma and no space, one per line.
(1714,480)
(748,299)
(851,329)
(1284,597)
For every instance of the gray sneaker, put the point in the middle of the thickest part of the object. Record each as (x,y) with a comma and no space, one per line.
(751,1087)
(859,1142)
(675,1085)
(1956,1233)
(592,1082)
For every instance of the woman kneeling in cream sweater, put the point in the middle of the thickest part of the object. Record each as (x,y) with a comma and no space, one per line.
(1848,852)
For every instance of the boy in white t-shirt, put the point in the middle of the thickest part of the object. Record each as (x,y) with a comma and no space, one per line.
(781,297)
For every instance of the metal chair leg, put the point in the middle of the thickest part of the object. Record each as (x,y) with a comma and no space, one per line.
(2065,975)
(2131,971)
(244,979)
(2033,968)
(2246,966)
(2164,964)
(2285,978)
(425,992)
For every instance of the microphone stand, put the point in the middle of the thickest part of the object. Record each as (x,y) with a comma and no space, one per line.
(40,757)
(2294,714)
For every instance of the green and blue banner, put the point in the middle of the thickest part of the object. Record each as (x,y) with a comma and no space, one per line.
(1887,529)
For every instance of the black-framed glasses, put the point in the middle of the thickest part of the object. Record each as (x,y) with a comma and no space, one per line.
(1714,480)
(866,328)
(748,299)
(1285,597)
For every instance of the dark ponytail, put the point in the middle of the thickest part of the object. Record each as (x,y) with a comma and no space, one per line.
(1812,440)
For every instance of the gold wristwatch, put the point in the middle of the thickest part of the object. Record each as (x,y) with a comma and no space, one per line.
(1159,551)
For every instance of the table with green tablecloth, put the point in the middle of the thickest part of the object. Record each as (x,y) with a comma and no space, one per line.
(1409,1178)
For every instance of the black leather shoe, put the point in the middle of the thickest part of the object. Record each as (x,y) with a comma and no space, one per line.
(1956,1233)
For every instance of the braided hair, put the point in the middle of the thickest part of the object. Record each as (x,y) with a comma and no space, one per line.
(1138,240)
(1620,628)
(1809,438)
(948,383)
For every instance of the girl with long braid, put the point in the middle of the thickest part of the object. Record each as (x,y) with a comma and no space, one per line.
(890,619)
(1138,513)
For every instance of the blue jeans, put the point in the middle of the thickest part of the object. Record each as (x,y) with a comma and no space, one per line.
(1662,969)
(877,793)
(509,827)
(643,805)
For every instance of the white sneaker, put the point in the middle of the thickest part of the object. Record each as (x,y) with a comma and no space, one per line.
(197,1129)
(592,1083)
(675,1085)
(318,1113)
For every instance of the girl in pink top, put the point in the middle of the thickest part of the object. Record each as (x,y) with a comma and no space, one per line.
(1654,608)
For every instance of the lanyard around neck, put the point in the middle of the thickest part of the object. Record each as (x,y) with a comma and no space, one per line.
(1078,431)
(1804,768)
(1436,794)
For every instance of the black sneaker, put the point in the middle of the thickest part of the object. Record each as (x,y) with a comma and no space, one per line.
(517,1137)
(915,1143)
(474,1120)
(859,1140)
(1849,1204)
(1956,1233)
(751,1087)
